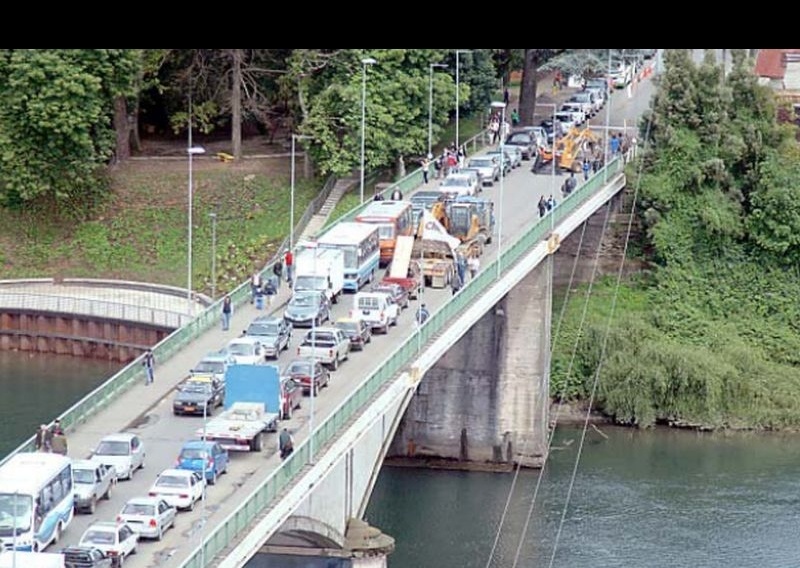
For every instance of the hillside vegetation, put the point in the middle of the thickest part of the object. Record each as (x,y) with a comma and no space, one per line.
(709,337)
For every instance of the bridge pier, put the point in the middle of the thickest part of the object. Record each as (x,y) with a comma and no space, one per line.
(486,401)
(365,547)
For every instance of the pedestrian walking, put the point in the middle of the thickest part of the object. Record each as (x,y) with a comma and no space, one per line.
(551,203)
(455,283)
(452,162)
(437,167)
(277,270)
(426,164)
(506,95)
(378,196)
(514,117)
(586,169)
(570,184)
(613,145)
(255,286)
(542,207)
(270,289)
(422,314)
(58,439)
(288,261)
(461,267)
(227,310)
(474,265)
(397,195)
(285,443)
(43,439)
(149,363)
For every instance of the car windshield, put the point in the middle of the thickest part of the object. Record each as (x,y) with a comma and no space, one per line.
(519,139)
(456,181)
(581,97)
(196,387)
(172,481)
(83,475)
(263,329)
(304,300)
(306,283)
(15,510)
(193,454)
(214,367)
(481,163)
(143,509)
(241,349)
(347,325)
(299,368)
(109,448)
(99,537)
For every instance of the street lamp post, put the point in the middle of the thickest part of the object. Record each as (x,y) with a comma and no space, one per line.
(192,151)
(430,107)
(502,107)
(458,85)
(213,255)
(366,61)
(295,137)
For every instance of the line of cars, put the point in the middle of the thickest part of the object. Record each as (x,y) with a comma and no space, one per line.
(117,457)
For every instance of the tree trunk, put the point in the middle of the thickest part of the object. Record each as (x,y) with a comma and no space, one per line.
(123,130)
(527,90)
(236,104)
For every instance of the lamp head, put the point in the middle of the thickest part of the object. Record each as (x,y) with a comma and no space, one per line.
(369,61)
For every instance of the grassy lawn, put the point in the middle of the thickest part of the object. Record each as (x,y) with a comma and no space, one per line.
(139,232)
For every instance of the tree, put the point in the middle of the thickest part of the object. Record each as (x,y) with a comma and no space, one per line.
(56,110)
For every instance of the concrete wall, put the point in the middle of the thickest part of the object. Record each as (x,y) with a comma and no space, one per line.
(484,401)
(80,336)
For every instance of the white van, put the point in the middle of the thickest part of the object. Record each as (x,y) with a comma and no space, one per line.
(376,308)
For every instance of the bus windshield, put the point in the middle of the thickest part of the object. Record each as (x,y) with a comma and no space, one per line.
(15,506)
(385,231)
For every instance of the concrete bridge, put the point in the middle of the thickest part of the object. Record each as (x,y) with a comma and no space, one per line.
(398,393)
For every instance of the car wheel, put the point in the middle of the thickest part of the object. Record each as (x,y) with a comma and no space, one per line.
(191,505)
(213,480)
(107,495)
(160,534)
(335,364)
(92,505)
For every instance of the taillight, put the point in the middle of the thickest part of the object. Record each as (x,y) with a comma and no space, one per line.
(153,523)
(153,494)
(182,496)
(330,353)
(112,553)
(298,351)
(119,519)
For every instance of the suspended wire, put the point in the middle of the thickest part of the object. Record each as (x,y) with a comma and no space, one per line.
(561,400)
(498,532)
(604,347)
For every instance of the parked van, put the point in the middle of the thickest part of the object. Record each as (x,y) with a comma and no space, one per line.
(378,309)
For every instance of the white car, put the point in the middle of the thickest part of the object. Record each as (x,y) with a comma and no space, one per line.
(247,351)
(378,309)
(148,516)
(576,109)
(459,184)
(115,540)
(567,119)
(181,488)
(124,451)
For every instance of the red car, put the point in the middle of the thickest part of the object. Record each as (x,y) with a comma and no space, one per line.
(291,397)
(299,371)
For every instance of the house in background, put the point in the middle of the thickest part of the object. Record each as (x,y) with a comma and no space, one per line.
(780,70)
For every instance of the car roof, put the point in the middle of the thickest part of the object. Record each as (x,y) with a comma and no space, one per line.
(143,500)
(84,464)
(172,471)
(347,320)
(245,339)
(104,525)
(118,437)
(267,319)
(198,444)
(217,356)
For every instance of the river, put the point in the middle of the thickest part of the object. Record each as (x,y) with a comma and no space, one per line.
(37,387)
(655,498)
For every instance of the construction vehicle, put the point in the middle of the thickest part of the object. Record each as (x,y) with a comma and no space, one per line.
(469,219)
(570,149)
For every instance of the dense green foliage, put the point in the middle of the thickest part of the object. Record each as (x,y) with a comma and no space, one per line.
(710,337)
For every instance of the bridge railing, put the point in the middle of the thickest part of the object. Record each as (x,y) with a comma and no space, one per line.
(272,487)
(92,307)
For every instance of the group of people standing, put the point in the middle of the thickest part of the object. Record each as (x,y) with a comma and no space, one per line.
(51,439)
(449,161)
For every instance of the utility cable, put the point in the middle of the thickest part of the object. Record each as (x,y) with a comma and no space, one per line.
(603,349)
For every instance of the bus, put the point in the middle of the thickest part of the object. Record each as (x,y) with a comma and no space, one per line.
(36,500)
(361,247)
(394,219)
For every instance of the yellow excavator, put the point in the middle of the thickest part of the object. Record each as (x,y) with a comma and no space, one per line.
(469,219)
(570,148)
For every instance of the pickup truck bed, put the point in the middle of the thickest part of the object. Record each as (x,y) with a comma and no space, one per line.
(241,427)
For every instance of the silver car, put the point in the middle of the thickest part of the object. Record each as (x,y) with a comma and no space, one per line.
(488,166)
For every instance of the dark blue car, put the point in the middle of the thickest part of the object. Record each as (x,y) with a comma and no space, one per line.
(197,454)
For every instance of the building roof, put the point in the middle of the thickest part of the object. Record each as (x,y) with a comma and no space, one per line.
(771,63)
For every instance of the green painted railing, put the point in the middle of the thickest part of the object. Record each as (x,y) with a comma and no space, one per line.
(273,487)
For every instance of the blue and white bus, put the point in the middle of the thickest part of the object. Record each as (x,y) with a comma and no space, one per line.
(36,500)
(361,247)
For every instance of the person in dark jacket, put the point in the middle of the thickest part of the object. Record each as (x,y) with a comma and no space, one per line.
(285,443)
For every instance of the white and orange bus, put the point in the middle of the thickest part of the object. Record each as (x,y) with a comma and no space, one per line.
(393,218)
